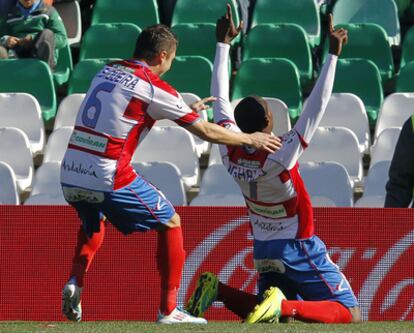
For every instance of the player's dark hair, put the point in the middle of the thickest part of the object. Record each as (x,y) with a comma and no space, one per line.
(153,40)
(251,114)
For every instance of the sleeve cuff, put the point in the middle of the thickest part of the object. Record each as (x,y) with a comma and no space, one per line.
(223,45)
(332,57)
(3,40)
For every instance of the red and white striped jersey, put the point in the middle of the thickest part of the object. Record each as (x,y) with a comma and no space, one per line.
(278,203)
(122,104)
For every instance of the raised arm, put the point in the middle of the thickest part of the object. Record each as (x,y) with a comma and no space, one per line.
(321,93)
(228,133)
(299,137)
(225,33)
(222,109)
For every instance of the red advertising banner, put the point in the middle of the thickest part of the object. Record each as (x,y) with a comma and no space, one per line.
(374,248)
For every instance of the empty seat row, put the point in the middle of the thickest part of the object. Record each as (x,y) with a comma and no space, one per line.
(340,145)
(327,183)
(34,77)
(323,179)
(119,25)
(304,13)
(284,85)
(344,110)
(286,40)
(368,87)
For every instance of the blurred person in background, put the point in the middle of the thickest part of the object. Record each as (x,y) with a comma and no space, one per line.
(400,185)
(32,29)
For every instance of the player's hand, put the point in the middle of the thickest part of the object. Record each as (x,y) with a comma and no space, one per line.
(202,104)
(12,42)
(337,38)
(225,29)
(26,42)
(267,142)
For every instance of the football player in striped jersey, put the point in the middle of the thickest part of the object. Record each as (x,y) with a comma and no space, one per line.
(296,276)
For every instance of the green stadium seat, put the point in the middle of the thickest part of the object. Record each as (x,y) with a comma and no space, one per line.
(201,11)
(405,82)
(362,78)
(140,12)
(196,39)
(84,72)
(190,74)
(381,12)
(305,13)
(270,77)
(408,47)
(64,66)
(280,41)
(109,40)
(368,41)
(33,77)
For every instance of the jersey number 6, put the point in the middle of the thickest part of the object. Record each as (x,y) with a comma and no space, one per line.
(89,116)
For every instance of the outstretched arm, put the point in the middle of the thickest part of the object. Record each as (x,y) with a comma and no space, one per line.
(218,134)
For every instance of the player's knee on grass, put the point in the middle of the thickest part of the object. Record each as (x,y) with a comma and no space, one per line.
(356,314)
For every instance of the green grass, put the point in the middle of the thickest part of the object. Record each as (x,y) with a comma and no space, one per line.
(214,327)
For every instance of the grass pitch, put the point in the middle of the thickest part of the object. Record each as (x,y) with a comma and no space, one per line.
(213,327)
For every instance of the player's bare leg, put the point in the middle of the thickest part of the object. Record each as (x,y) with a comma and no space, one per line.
(356,314)
(170,262)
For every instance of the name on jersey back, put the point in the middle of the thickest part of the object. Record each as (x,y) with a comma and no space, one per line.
(118,74)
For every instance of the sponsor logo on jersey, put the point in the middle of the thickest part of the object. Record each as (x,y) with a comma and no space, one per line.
(268,226)
(88,141)
(180,104)
(269,265)
(248,163)
(79,168)
(274,211)
(74,194)
(340,287)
